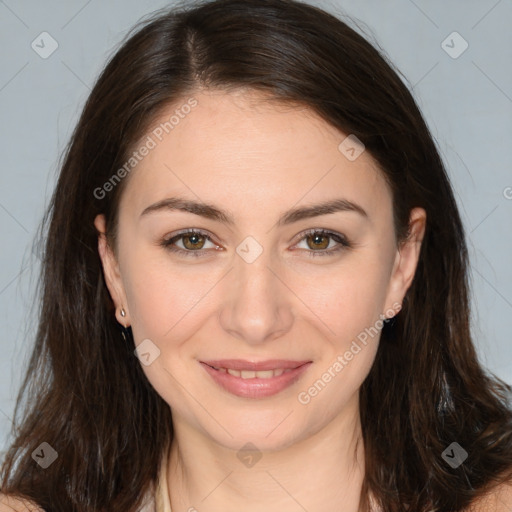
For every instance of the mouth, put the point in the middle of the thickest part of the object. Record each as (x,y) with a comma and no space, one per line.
(255,379)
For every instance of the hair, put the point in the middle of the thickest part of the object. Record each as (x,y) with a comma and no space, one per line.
(85,393)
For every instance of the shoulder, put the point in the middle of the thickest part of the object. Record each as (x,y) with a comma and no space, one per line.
(499,500)
(15,504)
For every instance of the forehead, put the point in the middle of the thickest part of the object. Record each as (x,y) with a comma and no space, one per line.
(239,150)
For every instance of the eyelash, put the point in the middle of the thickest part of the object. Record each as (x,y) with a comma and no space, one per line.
(340,239)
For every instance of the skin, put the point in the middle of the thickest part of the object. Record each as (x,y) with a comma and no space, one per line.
(257,160)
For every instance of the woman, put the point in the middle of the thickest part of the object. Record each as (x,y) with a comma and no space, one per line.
(254,287)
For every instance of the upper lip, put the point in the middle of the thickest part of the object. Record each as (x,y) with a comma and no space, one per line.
(240,364)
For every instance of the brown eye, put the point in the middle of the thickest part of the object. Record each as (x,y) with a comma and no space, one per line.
(319,241)
(189,243)
(193,241)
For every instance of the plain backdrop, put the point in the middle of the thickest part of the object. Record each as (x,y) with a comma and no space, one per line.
(462,82)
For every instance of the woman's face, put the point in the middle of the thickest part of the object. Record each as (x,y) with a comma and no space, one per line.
(253,285)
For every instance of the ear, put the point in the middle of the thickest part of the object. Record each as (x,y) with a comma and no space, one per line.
(111,272)
(406,260)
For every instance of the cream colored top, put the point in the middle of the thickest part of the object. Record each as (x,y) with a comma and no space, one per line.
(158,499)
(162,498)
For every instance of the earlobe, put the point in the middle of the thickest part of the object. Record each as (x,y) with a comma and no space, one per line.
(407,257)
(111,271)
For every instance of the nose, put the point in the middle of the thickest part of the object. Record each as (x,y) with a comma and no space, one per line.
(257,304)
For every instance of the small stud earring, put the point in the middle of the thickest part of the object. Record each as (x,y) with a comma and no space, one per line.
(123,312)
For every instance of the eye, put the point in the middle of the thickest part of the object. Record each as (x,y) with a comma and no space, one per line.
(193,242)
(318,241)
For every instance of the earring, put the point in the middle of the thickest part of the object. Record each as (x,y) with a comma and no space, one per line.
(126,332)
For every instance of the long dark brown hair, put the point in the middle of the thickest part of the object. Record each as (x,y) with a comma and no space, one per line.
(85,393)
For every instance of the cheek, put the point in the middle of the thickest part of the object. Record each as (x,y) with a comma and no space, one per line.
(346,309)
(166,307)
(160,297)
(346,298)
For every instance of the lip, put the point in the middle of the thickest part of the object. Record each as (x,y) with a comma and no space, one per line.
(241,364)
(255,388)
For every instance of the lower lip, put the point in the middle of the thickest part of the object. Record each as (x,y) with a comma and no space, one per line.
(255,388)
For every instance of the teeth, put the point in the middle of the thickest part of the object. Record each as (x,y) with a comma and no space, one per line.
(249,374)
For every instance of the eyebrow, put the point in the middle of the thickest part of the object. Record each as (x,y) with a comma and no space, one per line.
(210,211)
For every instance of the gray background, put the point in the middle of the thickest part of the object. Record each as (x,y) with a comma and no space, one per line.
(467,102)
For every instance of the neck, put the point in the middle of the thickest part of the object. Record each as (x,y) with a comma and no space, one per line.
(323,471)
